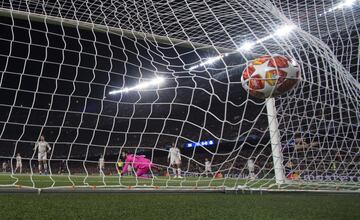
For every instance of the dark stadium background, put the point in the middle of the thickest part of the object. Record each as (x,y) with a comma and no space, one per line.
(31,103)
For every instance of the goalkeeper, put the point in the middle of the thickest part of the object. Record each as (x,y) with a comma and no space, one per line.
(139,163)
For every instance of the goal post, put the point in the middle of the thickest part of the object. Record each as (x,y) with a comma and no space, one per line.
(276,152)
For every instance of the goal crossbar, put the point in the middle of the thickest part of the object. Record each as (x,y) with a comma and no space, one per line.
(113,30)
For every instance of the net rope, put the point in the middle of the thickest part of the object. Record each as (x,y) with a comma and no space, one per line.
(62,58)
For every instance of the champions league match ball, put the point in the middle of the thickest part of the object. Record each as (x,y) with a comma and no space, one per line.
(270,76)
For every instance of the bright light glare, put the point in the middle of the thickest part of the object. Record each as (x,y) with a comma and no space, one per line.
(140,86)
(281,32)
(349,2)
(264,38)
(285,30)
(345,3)
(208,61)
(247,46)
(293,62)
(194,67)
(212,60)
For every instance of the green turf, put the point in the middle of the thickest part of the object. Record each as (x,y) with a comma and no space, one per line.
(179,206)
(47,181)
(43,181)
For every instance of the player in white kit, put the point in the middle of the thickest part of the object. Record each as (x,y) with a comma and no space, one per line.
(251,168)
(4,166)
(18,163)
(101,165)
(207,167)
(43,148)
(175,160)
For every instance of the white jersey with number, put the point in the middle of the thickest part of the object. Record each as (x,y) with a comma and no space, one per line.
(174,155)
(18,161)
(207,166)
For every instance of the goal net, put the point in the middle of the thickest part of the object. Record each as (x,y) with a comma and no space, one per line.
(112,85)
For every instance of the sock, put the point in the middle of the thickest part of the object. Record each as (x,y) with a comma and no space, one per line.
(179,171)
(39,168)
(45,167)
(174,171)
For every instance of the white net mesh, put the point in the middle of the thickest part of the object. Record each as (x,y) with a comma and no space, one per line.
(59,61)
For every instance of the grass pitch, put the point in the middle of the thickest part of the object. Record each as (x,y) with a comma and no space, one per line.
(96,205)
(47,181)
(178,206)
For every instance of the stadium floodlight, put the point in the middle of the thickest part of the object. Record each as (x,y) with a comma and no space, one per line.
(246,46)
(208,61)
(349,2)
(281,32)
(140,86)
(346,3)
(212,60)
(284,30)
(194,67)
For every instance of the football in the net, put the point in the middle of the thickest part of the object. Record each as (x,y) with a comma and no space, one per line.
(270,76)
